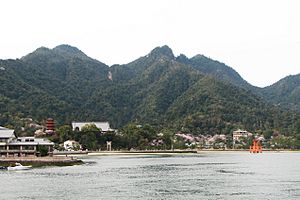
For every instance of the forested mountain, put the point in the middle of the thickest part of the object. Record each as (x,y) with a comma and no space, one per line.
(49,83)
(285,93)
(196,95)
(216,69)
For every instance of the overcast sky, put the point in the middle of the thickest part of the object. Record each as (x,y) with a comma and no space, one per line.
(260,39)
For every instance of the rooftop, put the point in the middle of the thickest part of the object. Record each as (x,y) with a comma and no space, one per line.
(6,133)
(3,128)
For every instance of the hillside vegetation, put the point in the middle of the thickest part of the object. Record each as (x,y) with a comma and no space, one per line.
(197,95)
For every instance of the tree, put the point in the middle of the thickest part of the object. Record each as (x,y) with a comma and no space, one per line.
(64,132)
(168,138)
(138,136)
(90,128)
(43,150)
(88,140)
(88,136)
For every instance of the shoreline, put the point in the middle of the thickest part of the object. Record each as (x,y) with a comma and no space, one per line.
(70,158)
(41,161)
(166,152)
(144,152)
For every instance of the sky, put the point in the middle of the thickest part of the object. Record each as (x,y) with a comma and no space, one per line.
(260,39)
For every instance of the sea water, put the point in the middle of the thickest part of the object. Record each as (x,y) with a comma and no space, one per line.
(213,175)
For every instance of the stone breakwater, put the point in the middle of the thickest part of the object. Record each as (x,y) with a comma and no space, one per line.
(40,161)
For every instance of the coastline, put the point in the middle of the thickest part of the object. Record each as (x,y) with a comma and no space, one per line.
(166,152)
(144,152)
(68,158)
(41,161)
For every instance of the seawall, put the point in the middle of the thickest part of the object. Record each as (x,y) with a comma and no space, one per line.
(40,161)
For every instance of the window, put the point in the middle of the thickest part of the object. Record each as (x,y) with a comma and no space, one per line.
(14,147)
(3,139)
(28,147)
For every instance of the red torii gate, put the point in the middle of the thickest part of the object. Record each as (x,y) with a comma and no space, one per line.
(256,147)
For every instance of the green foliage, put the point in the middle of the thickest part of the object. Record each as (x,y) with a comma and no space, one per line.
(65,133)
(282,142)
(168,138)
(88,136)
(197,95)
(88,140)
(218,70)
(90,128)
(43,150)
(138,136)
(285,92)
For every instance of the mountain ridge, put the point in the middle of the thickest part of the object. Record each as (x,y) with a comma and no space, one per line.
(197,94)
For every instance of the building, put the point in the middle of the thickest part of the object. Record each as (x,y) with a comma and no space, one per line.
(238,134)
(103,126)
(12,146)
(72,145)
(50,126)
(6,135)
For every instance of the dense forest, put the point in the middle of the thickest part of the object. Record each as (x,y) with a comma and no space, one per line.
(195,95)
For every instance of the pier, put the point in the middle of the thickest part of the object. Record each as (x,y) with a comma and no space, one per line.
(41,161)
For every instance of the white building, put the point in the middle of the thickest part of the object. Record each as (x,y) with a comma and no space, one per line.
(238,134)
(6,135)
(12,146)
(104,126)
(71,145)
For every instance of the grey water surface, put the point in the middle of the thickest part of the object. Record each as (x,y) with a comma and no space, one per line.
(226,175)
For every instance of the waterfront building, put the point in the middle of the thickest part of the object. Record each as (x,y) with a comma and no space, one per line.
(6,135)
(103,126)
(238,134)
(12,146)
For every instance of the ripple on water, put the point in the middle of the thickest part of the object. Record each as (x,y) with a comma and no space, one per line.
(234,172)
(226,176)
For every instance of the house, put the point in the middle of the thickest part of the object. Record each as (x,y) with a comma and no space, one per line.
(238,134)
(12,146)
(71,145)
(103,126)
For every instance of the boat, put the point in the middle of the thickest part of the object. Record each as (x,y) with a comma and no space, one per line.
(19,166)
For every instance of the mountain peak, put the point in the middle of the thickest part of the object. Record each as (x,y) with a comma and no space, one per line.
(199,56)
(183,59)
(65,48)
(163,50)
(61,50)
(42,50)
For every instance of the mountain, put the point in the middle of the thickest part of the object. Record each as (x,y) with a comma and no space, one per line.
(49,82)
(197,95)
(173,91)
(285,92)
(216,69)
(61,51)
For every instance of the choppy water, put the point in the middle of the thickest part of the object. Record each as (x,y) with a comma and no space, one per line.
(202,176)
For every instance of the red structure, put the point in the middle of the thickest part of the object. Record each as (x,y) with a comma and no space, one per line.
(256,147)
(50,124)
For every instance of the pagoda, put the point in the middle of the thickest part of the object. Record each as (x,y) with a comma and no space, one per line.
(50,126)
